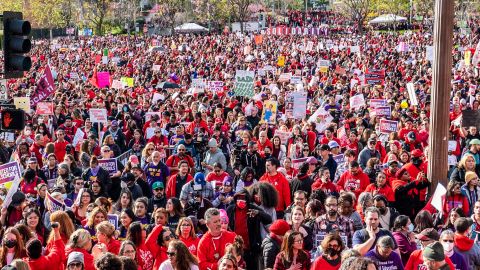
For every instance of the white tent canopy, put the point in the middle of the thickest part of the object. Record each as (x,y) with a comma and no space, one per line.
(190,27)
(387,18)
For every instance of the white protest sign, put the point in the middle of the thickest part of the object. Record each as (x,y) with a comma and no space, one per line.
(150,132)
(438,197)
(452,145)
(357,101)
(11,191)
(429,53)
(156,97)
(284,135)
(412,95)
(78,137)
(98,115)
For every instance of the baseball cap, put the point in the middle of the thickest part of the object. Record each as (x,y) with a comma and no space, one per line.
(434,252)
(417,153)
(32,160)
(157,185)
(75,257)
(312,161)
(475,142)
(115,123)
(333,144)
(428,234)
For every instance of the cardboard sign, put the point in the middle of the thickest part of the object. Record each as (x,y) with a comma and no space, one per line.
(340,159)
(148,115)
(296,163)
(388,126)
(98,115)
(113,219)
(296,107)
(269,114)
(215,86)
(244,83)
(375,76)
(281,61)
(412,95)
(357,101)
(22,103)
(9,171)
(383,111)
(296,79)
(284,135)
(378,103)
(285,77)
(44,108)
(14,183)
(79,134)
(199,83)
(452,145)
(258,39)
(109,164)
(429,53)
(156,97)
(117,84)
(103,79)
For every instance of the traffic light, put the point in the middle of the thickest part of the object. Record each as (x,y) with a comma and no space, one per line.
(13,119)
(16,44)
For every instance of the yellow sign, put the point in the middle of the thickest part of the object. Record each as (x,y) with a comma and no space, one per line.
(22,103)
(468,57)
(323,69)
(281,61)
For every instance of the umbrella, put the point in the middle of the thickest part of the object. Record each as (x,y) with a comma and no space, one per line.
(167,85)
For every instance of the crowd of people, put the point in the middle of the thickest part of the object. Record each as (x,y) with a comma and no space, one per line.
(208,179)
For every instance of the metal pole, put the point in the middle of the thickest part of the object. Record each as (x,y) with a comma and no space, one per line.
(442,65)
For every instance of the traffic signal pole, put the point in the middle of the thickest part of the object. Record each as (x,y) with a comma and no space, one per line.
(441,87)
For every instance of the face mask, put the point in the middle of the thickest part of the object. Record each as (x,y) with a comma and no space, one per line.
(241,204)
(382,210)
(410,227)
(330,252)
(447,247)
(416,161)
(64,196)
(10,243)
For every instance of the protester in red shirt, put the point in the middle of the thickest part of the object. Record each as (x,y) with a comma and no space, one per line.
(60,145)
(354,179)
(380,187)
(280,183)
(212,245)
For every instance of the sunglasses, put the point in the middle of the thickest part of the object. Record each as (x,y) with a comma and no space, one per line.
(171,254)
(158,189)
(75,265)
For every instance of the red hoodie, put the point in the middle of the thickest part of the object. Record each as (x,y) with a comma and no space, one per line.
(415,262)
(54,258)
(282,186)
(113,246)
(191,243)
(210,249)
(356,183)
(158,252)
(463,243)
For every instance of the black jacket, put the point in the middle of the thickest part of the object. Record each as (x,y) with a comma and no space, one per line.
(255,161)
(253,224)
(301,182)
(270,249)
(102,176)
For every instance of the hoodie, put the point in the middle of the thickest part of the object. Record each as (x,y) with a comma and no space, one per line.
(301,182)
(356,183)
(469,250)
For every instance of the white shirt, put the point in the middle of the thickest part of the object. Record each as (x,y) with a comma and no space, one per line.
(167,265)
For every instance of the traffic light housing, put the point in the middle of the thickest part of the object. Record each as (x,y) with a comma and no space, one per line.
(16,44)
(13,119)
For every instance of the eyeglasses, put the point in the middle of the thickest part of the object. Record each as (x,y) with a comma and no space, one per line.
(150,149)
(298,241)
(129,251)
(449,241)
(185,225)
(106,151)
(95,186)
(156,132)
(171,254)
(181,150)
(167,238)
(333,246)
(158,189)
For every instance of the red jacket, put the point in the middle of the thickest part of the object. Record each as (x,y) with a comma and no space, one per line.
(144,257)
(386,191)
(356,183)
(172,185)
(207,249)
(194,127)
(60,149)
(416,259)
(414,171)
(35,149)
(87,257)
(282,186)
(54,258)
(328,187)
(158,252)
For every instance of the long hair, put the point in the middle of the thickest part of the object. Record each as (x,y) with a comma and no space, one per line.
(332,237)
(90,192)
(183,256)
(177,207)
(134,233)
(24,231)
(118,204)
(188,220)
(66,225)
(287,247)
(160,241)
(423,220)
(400,221)
(39,229)
(122,247)
(95,212)
(130,214)
(19,248)
(267,193)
